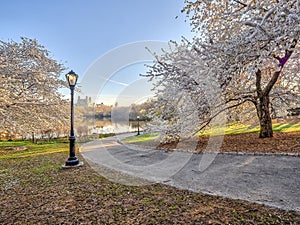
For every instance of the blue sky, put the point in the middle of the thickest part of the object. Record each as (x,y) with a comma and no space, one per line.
(77,32)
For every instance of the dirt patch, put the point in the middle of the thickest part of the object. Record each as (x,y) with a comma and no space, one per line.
(280,143)
(16,148)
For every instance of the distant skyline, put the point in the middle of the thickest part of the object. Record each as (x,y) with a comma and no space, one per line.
(78,32)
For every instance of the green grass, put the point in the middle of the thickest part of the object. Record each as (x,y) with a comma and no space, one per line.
(242,128)
(14,143)
(230,129)
(288,127)
(31,149)
(34,189)
(141,138)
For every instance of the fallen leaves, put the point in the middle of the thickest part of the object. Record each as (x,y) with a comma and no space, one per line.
(280,143)
(46,194)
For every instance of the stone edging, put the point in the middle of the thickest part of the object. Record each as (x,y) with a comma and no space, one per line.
(261,154)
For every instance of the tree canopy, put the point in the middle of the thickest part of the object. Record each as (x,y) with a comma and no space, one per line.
(29,89)
(243,52)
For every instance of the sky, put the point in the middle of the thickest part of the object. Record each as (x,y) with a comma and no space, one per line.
(78,32)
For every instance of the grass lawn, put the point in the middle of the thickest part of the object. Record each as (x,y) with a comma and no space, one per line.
(241,129)
(34,189)
(230,129)
(141,138)
(30,149)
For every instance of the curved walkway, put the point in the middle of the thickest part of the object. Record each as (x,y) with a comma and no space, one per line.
(271,179)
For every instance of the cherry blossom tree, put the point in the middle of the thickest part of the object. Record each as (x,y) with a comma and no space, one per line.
(249,49)
(30,100)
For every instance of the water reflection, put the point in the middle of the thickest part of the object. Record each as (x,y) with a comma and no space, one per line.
(105,126)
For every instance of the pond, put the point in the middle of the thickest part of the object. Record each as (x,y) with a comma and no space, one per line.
(105,126)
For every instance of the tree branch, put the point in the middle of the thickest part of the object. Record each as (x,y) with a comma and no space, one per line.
(207,122)
(282,62)
(258,82)
(239,2)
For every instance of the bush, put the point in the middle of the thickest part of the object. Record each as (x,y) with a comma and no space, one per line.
(106,135)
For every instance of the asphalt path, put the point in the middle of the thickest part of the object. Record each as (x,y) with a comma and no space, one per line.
(272,180)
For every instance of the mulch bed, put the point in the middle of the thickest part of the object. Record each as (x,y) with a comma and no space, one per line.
(280,143)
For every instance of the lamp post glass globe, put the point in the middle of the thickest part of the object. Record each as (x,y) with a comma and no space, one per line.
(72,78)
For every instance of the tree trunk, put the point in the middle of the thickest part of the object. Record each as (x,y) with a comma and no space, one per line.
(265,120)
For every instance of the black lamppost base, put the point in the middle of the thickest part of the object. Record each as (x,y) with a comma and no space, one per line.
(72,162)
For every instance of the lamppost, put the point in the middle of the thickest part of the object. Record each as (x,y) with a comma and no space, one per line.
(72,160)
(138,119)
(32,137)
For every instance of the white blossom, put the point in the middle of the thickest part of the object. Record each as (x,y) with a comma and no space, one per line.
(30,100)
(248,49)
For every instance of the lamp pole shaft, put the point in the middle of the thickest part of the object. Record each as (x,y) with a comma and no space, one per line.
(72,136)
(138,126)
(72,160)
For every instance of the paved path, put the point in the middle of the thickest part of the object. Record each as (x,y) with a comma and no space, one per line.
(272,180)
